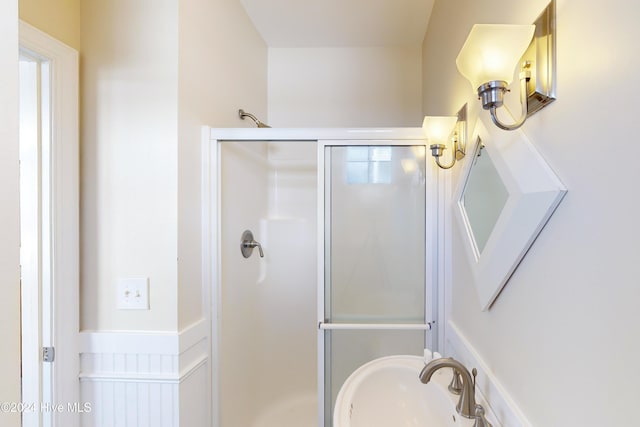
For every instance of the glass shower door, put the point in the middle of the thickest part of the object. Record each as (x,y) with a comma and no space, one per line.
(375,257)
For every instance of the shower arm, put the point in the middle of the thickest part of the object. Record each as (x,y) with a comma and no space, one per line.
(242,114)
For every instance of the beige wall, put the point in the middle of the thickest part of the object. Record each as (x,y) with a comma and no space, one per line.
(129,169)
(153,73)
(222,67)
(562,336)
(9,213)
(58,18)
(343,87)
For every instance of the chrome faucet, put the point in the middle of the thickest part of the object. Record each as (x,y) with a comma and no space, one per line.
(466,406)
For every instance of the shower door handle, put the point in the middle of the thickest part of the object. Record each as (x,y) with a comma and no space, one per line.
(324,325)
(247,243)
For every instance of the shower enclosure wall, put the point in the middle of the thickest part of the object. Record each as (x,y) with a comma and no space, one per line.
(267,348)
(345,223)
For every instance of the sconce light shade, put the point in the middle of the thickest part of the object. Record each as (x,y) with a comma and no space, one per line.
(438,128)
(489,57)
(491,52)
(443,131)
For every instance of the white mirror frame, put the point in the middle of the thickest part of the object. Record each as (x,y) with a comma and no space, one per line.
(534,193)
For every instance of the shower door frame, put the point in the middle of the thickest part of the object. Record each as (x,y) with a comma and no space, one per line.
(323,137)
(396,137)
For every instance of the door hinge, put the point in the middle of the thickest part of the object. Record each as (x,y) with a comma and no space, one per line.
(48,354)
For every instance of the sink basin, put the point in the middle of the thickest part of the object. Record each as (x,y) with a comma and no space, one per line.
(387,392)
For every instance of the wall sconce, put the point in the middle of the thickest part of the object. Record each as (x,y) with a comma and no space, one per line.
(441,129)
(490,54)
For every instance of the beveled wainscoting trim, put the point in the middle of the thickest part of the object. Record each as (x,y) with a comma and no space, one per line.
(140,378)
(500,408)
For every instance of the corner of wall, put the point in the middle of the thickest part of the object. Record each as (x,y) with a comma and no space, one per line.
(222,64)
(58,18)
(128,166)
(500,408)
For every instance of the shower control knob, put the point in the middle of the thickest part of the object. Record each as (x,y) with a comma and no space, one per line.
(247,243)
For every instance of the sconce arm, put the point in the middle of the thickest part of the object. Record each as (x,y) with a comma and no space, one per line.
(458,152)
(449,166)
(525,77)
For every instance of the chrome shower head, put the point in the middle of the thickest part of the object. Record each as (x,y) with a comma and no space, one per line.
(258,123)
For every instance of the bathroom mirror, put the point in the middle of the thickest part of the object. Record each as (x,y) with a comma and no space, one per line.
(507,195)
(483,199)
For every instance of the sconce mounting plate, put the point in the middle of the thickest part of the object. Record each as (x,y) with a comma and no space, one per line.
(461,133)
(542,54)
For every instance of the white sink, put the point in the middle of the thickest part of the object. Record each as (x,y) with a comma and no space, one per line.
(387,392)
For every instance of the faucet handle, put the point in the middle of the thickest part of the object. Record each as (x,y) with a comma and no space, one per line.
(455,386)
(480,419)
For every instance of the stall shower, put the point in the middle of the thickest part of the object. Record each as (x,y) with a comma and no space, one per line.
(336,274)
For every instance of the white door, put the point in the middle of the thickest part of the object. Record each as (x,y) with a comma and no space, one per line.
(49,230)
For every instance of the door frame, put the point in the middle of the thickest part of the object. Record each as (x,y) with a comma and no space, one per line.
(65,217)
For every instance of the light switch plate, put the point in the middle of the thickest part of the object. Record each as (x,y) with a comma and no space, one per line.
(133,293)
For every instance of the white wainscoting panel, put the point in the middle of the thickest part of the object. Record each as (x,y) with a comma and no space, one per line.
(501,410)
(140,379)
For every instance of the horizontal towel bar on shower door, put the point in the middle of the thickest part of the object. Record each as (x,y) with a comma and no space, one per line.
(376,326)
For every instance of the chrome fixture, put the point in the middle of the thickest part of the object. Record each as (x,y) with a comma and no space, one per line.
(455,386)
(467,406)
(480,418)
(258,123)
(491,52)
(247,243)
(442,129)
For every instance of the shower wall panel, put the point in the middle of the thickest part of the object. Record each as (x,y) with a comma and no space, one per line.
(244,177)
(268,336)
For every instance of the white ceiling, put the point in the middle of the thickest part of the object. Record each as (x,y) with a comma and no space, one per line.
(333,23)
